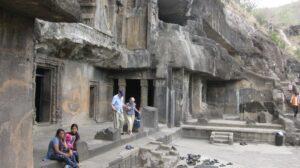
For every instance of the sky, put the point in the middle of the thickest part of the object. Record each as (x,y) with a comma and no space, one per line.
(272,3)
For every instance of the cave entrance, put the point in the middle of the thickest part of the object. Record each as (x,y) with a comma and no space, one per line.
(115,86)
(133,89)
(43,95)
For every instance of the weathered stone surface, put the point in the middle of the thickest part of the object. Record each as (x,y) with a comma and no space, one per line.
(293,30)
(150,117)
(257,51)
(54,10)
(174,11)
(83,43)
(109,134)
(157,155)
(16,92)
(264,117)
(207,61)
(192,52)
(83,151)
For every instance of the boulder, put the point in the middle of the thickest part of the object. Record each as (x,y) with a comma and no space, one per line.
(150,117)
(264,117)
(110,134)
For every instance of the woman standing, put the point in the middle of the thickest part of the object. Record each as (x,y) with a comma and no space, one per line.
(130,114)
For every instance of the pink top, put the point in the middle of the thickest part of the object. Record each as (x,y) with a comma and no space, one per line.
(69,141)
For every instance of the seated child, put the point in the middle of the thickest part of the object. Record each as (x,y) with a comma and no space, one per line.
(69,141)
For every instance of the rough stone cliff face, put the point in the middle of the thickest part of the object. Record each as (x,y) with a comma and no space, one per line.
(197,59)
(219,22)
(217,42)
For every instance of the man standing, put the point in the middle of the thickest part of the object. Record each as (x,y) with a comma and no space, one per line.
(117,105)
(294,103)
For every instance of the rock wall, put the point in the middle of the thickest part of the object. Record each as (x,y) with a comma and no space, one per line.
(205,58)
(258,53)
(54,10)
(76,81)
(16,90)
(219,44)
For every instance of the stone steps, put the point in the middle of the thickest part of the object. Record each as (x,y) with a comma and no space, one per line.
(239,133)
(120,157)
(221,137)
(93,148)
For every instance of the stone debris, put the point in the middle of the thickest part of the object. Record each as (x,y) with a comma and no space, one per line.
(129,147)
(158,155)
(229,163)
(182,166)
(194,160)
(243,143)
(110,134)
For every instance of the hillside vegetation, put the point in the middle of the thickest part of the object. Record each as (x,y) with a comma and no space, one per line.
(281,16)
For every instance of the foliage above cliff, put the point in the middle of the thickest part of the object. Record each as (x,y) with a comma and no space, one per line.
(281,16)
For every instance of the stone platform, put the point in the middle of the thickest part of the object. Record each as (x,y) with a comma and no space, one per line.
(259,132)
(242,124)
(89,147)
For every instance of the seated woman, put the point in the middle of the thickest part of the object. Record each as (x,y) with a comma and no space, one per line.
(56,151)
(72,138)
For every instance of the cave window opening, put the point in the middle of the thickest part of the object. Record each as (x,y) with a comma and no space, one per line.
(151,93)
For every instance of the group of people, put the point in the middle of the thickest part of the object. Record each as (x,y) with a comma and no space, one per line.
(128,110)
(63,147)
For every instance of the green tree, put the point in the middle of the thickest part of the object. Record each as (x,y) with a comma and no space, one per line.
(249,5)
(275,37)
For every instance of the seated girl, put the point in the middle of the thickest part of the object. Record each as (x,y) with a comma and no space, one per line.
(72,138)
(75,136)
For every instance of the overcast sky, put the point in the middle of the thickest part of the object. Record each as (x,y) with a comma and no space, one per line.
(272,3)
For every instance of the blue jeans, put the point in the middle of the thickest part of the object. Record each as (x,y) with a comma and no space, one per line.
(71,161)
(75,154)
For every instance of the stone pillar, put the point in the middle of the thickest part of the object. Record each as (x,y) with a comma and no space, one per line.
(144,92)
(186,98)
(171,99)
(160,100)
(196,95)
